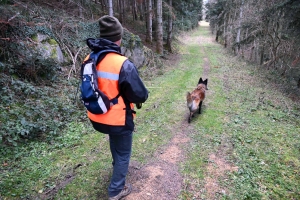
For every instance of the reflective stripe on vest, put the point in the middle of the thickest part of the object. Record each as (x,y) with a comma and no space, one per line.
(108,75)
(108,71)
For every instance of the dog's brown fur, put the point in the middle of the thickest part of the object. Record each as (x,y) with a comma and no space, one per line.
(195,99)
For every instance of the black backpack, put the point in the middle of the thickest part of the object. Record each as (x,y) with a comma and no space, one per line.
(93,98)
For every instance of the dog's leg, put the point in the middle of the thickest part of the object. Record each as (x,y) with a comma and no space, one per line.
(190,117)
(200,104)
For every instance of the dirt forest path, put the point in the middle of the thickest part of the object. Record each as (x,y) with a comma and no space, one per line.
(160,179)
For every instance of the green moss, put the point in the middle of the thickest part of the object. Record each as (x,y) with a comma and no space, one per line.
(52,42)
(34,38)
(14,76)
(53,53)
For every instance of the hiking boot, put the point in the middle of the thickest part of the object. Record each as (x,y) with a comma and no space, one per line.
(126,191)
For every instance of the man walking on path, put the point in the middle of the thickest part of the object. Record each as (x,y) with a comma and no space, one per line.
(117,78)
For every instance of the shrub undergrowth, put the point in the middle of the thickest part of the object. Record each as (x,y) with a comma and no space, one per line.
(30,110)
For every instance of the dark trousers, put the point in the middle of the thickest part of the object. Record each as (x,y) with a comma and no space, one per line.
(120,147)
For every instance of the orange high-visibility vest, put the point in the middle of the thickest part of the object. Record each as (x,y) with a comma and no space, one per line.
(108,71)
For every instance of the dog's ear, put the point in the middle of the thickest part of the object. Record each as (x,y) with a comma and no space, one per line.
(200,80)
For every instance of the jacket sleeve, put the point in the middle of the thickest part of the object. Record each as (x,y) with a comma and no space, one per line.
(130,84)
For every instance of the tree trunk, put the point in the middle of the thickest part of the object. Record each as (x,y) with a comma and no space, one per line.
(110,8)
(121,7)
(134,10)
(238,39)
(149,22)
(103,5)
(159,42)
(226,20)
(262,52)
(80,12)
(170,27)
(140,9)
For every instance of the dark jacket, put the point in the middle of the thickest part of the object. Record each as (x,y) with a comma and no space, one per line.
(131,88)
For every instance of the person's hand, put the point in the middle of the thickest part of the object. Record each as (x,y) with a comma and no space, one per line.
(138,105)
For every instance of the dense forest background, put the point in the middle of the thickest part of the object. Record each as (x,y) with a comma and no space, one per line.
(263,32)
(38,92)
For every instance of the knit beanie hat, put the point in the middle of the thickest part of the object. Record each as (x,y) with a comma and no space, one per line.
(110,28)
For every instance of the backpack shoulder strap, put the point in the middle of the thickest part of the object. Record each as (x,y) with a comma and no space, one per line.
(99,55)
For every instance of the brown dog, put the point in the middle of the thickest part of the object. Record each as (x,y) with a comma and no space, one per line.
(194,100)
